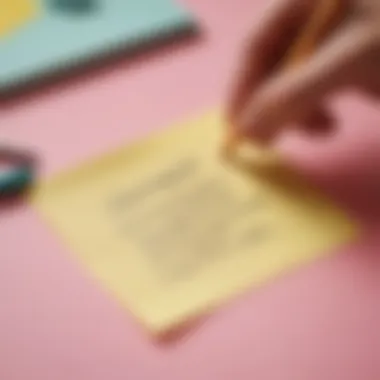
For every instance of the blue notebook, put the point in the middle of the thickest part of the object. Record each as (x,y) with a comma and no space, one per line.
(68,33)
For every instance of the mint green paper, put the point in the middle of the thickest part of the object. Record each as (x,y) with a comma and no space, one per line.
(61,37)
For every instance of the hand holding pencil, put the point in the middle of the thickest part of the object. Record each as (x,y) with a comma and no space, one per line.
(301,53)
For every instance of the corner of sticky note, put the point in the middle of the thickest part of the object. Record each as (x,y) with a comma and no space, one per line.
(16,13)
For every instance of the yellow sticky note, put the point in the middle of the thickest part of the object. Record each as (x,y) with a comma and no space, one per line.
(173,231)
(15,13)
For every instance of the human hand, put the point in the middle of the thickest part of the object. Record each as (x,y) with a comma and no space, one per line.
(265,100)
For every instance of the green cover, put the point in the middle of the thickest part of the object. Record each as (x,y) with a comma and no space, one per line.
(72,32)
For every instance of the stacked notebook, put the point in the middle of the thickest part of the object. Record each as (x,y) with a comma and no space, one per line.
(67,33)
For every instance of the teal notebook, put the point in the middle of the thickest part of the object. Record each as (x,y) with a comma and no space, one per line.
(68,33)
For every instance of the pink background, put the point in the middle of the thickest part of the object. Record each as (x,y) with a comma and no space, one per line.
(323,322)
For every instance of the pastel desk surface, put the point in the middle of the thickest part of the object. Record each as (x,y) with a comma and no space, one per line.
(55,323)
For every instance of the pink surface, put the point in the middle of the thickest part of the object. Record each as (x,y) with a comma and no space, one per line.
(323,322)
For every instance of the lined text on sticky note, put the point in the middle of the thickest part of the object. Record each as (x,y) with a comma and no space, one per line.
(173,231)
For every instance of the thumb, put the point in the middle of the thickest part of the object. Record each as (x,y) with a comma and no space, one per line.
(288,96)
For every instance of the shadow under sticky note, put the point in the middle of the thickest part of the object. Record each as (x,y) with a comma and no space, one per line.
(172,231)
(68,33)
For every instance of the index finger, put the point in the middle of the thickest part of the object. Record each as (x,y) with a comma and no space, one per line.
(265,47)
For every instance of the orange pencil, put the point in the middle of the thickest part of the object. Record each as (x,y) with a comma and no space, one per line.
(325,16)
